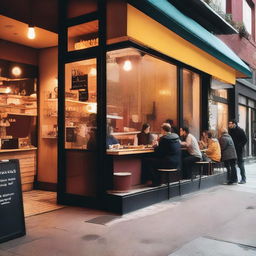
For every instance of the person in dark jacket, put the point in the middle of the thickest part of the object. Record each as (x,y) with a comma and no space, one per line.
(110,139)
(145,137)
(239,137)
(228,156)
(166,155)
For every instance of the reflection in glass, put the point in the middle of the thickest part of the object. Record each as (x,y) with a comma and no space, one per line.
(191,102)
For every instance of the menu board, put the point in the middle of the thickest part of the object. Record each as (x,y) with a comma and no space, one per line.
(12,221)
(79,82)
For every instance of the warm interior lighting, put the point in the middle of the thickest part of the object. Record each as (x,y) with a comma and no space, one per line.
(93,72)
(31,32)
(8,90)
(16,71)
(127,65)
(91,108)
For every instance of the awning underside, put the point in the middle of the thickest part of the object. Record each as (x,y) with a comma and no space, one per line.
(166,14)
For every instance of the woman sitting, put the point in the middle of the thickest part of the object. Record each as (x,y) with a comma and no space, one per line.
(145,137)
(203,142)
(213,152)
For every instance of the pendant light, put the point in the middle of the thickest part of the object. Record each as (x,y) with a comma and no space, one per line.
(31,32)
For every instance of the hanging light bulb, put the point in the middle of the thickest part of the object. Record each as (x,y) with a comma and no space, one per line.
(127,65)
(31,32)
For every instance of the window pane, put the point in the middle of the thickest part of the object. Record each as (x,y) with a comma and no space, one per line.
(140,89)
(80,105)
(218,115)
(83,36)
(191,102)
(242,99)
(80,7)
(247,16)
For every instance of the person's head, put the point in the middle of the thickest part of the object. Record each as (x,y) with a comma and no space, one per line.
(223,131)
(169,121)
(205,133)
(166,128)
(211,134)
(109,130)
(145,128)
(184,131)
(232,124)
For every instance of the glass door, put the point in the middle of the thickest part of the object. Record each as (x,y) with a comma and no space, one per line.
(81,127)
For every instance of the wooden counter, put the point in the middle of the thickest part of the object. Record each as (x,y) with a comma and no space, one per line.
(126,160)
(27,159)
(121,152)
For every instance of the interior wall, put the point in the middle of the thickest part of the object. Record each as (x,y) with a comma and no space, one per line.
(47,145)
(18,53)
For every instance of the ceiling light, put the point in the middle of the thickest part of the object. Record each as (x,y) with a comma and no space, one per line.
(127,65)
(16,71)
(31,32)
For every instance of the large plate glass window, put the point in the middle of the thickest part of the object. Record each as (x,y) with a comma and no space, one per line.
(191,102)
(140,89)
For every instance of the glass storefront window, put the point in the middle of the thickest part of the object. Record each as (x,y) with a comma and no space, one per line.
(83,36)
(191,102)
(140,89)
(80,105)
(18,106)
(218,115)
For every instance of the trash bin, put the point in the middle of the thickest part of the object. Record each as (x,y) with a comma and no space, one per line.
(122,181)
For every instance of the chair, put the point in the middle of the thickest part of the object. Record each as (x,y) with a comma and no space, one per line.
(201,169)
(169,172)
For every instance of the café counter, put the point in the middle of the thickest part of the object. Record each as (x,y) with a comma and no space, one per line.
(126,160)
(27,159)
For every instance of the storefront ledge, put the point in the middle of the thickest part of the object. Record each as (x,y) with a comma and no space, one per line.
(122,203)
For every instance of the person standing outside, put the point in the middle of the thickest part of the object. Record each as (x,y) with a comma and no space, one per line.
(239,137)
(193,152)
(228,156)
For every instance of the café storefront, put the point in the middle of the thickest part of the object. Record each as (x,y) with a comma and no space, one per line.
(123,64)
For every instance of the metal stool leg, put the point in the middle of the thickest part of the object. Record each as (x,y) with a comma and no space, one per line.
(168,184)
(200,175)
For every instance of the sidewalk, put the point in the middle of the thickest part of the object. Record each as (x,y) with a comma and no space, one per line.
(212,222)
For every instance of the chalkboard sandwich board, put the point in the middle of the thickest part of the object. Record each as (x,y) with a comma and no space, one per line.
(12,222)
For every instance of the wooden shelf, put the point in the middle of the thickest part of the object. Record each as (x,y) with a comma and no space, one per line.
(80,102)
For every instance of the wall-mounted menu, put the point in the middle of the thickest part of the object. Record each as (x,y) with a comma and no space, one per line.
(11,205)
(79,80)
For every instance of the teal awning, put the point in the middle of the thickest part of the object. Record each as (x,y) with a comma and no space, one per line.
(166,14)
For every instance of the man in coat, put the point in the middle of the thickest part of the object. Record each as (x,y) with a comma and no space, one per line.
(228,156)
(166,155)
(239,137)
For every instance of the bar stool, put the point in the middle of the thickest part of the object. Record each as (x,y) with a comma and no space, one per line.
(201,168)
(122,181)
(169,172)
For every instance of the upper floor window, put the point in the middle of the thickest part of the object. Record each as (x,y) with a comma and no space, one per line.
(247,16)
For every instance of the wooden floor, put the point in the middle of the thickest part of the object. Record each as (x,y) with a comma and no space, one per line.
(38,202)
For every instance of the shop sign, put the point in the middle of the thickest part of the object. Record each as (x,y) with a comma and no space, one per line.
(83,44)
(12,221)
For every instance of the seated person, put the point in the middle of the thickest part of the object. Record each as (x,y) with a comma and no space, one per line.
(145,137)
(193,152)
(166,155)
(174,128)
(203,142)
(213,151)
(111,141)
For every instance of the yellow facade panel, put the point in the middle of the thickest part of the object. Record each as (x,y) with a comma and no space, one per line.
(143,29)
